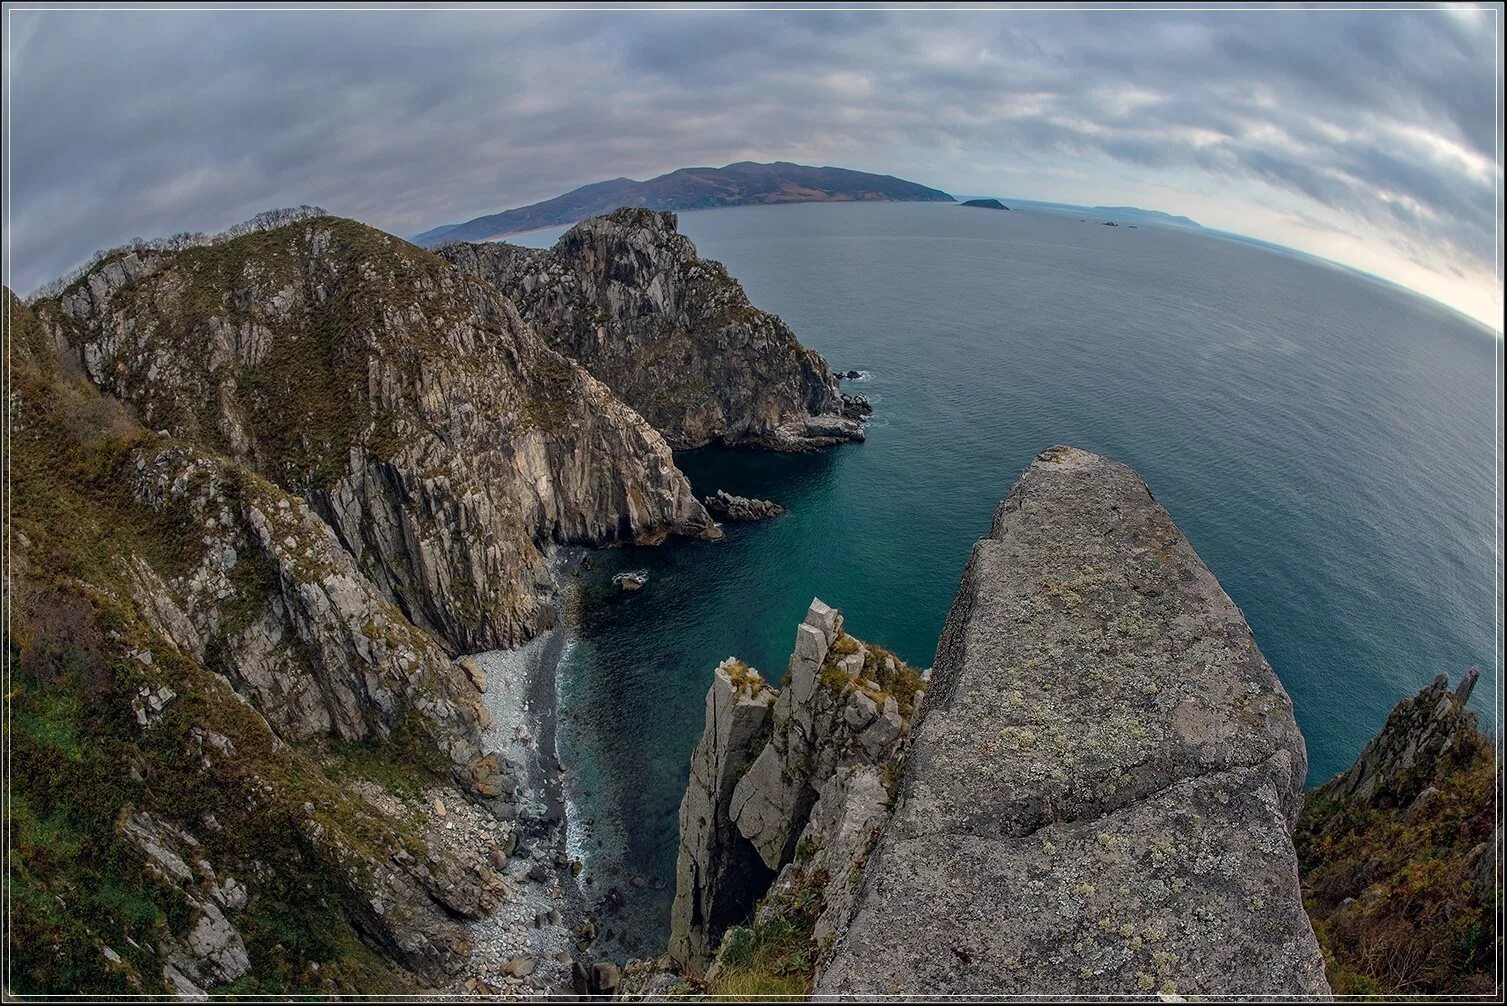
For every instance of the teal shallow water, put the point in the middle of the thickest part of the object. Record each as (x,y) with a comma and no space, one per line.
(1326,442)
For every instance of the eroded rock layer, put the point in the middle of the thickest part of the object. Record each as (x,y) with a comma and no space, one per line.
(1100,796)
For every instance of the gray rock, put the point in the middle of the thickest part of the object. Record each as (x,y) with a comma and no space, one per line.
(1398,763)
(717,872)
(724,505)
(628,297)
(1099,799)
(444,441)
(822,723)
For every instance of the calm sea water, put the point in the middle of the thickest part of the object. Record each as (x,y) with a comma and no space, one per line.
(1325,441)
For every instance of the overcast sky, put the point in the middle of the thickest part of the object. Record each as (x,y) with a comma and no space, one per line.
(1367,137)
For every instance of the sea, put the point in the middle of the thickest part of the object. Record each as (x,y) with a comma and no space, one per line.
(1328,442)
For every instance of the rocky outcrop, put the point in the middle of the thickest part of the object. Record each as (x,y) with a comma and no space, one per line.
(1400,855)
(723,505)
(274,603)
(718,874)
(1422,736)
(626,295)
(1100,797)
(806,763)
(444,442)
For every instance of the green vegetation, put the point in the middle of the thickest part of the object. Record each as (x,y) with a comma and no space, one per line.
(1402,899)
(80,654)
(893,676)
(763,962)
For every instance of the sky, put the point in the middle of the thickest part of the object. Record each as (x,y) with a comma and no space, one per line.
(1368,137)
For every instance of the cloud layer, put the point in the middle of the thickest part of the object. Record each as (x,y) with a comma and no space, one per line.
(1369,137)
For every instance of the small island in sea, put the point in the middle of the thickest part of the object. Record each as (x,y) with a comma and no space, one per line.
(986,204)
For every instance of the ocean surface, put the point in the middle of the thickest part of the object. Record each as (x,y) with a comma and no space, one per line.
(1326,441)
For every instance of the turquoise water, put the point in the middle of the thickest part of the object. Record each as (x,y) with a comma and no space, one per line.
(1326,442)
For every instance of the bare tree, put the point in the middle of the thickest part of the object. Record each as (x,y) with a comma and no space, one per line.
(265,221)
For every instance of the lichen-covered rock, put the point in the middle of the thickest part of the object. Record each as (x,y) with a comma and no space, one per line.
(627,296)
(441,438)
(1100,796)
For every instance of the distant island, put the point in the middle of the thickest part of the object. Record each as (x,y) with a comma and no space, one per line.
(746,183)
(1149,216)
(986,204)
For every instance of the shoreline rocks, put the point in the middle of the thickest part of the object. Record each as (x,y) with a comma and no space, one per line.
(856,407)
(723,505)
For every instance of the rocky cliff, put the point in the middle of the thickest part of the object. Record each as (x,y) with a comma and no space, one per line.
(1400,855)
(787,785)
(226,741)
(1098,799)
(627,296)
(406,402)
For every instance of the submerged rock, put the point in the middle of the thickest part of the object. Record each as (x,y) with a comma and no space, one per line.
(630,582)
(724,505)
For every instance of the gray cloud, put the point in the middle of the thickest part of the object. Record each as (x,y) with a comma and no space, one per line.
(1377,124)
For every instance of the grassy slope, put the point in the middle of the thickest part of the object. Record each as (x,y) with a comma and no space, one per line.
(1393,892)
(80,763)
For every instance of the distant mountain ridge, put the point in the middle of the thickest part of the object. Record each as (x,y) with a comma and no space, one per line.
(745,183)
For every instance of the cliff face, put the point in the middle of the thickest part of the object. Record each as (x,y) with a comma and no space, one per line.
(439,437)
(627,296)
(225,738)
(1106,762)
(1399,855)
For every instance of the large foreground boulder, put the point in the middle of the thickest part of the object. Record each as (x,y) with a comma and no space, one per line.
(1100,796)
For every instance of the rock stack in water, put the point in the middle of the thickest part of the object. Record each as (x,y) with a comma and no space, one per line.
(802,765)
